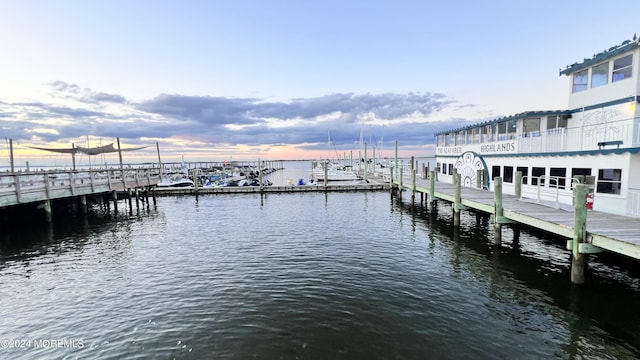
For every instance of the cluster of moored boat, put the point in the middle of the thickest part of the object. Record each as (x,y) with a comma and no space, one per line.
(212,178)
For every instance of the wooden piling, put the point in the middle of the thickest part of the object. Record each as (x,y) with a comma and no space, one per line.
(83,204)
(457,199)
(47,210)
(392,187)
(326,173)
(114,195)
(432,190)
(497,212)
(129,200)
(518,184)
(579,233)
(413,180)
(401,176)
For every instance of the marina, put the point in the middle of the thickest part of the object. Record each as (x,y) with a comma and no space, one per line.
(320,180)
(512,209)
(339,275)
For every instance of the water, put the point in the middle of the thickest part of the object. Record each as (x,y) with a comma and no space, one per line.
(305,276)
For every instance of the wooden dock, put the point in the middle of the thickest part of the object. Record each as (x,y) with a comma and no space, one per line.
(39,188)
(604,231)
(372,186)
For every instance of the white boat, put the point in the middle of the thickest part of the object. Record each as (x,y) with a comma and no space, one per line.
(175,182)
(334,172)
(596,140)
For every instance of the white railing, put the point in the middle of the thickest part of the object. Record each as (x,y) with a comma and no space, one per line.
(552,193)
(581,138)
(26,186)
(633,202)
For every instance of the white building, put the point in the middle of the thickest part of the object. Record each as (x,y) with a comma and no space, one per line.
(598,136)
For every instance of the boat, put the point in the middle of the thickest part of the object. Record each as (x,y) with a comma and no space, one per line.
(175,182)
(595,141)
(333,172)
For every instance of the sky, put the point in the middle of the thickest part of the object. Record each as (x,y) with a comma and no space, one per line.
(217,80)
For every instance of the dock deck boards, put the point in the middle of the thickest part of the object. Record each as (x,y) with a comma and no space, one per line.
(616,233)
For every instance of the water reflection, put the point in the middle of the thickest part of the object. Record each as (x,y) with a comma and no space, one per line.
(313,275)
(538,261)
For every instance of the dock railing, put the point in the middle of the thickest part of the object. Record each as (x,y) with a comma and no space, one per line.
(23,186)
(552,193)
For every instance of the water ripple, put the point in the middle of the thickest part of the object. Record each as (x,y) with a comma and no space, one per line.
(315,276)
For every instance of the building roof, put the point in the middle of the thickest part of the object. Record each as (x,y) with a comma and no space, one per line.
(613,51)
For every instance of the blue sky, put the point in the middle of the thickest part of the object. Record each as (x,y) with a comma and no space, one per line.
(214,80)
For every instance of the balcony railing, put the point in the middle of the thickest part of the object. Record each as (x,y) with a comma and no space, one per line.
(588,137)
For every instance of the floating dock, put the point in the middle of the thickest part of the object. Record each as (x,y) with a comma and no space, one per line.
(372,186)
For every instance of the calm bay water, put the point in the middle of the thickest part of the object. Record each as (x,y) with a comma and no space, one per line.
(305,276)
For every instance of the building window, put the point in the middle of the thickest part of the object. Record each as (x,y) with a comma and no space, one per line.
(531,127)
(502,131)
(558,177)
(537,175)
(508,174)
(507,130)
(460,135)
(488,133)
(622,68)
(609,181)
(449,140)
(600,75)
(450,169)
(440,140)
(495,172)
(556,123)
(580,80)
(444,168)
(476,135)
(525,171)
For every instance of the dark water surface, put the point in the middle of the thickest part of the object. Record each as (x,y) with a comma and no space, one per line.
(305,276)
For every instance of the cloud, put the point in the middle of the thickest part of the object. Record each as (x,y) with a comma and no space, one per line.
(72,91)
(74,112)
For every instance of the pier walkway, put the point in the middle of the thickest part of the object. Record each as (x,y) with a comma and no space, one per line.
(38,186)
(373,186)
(604,231)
